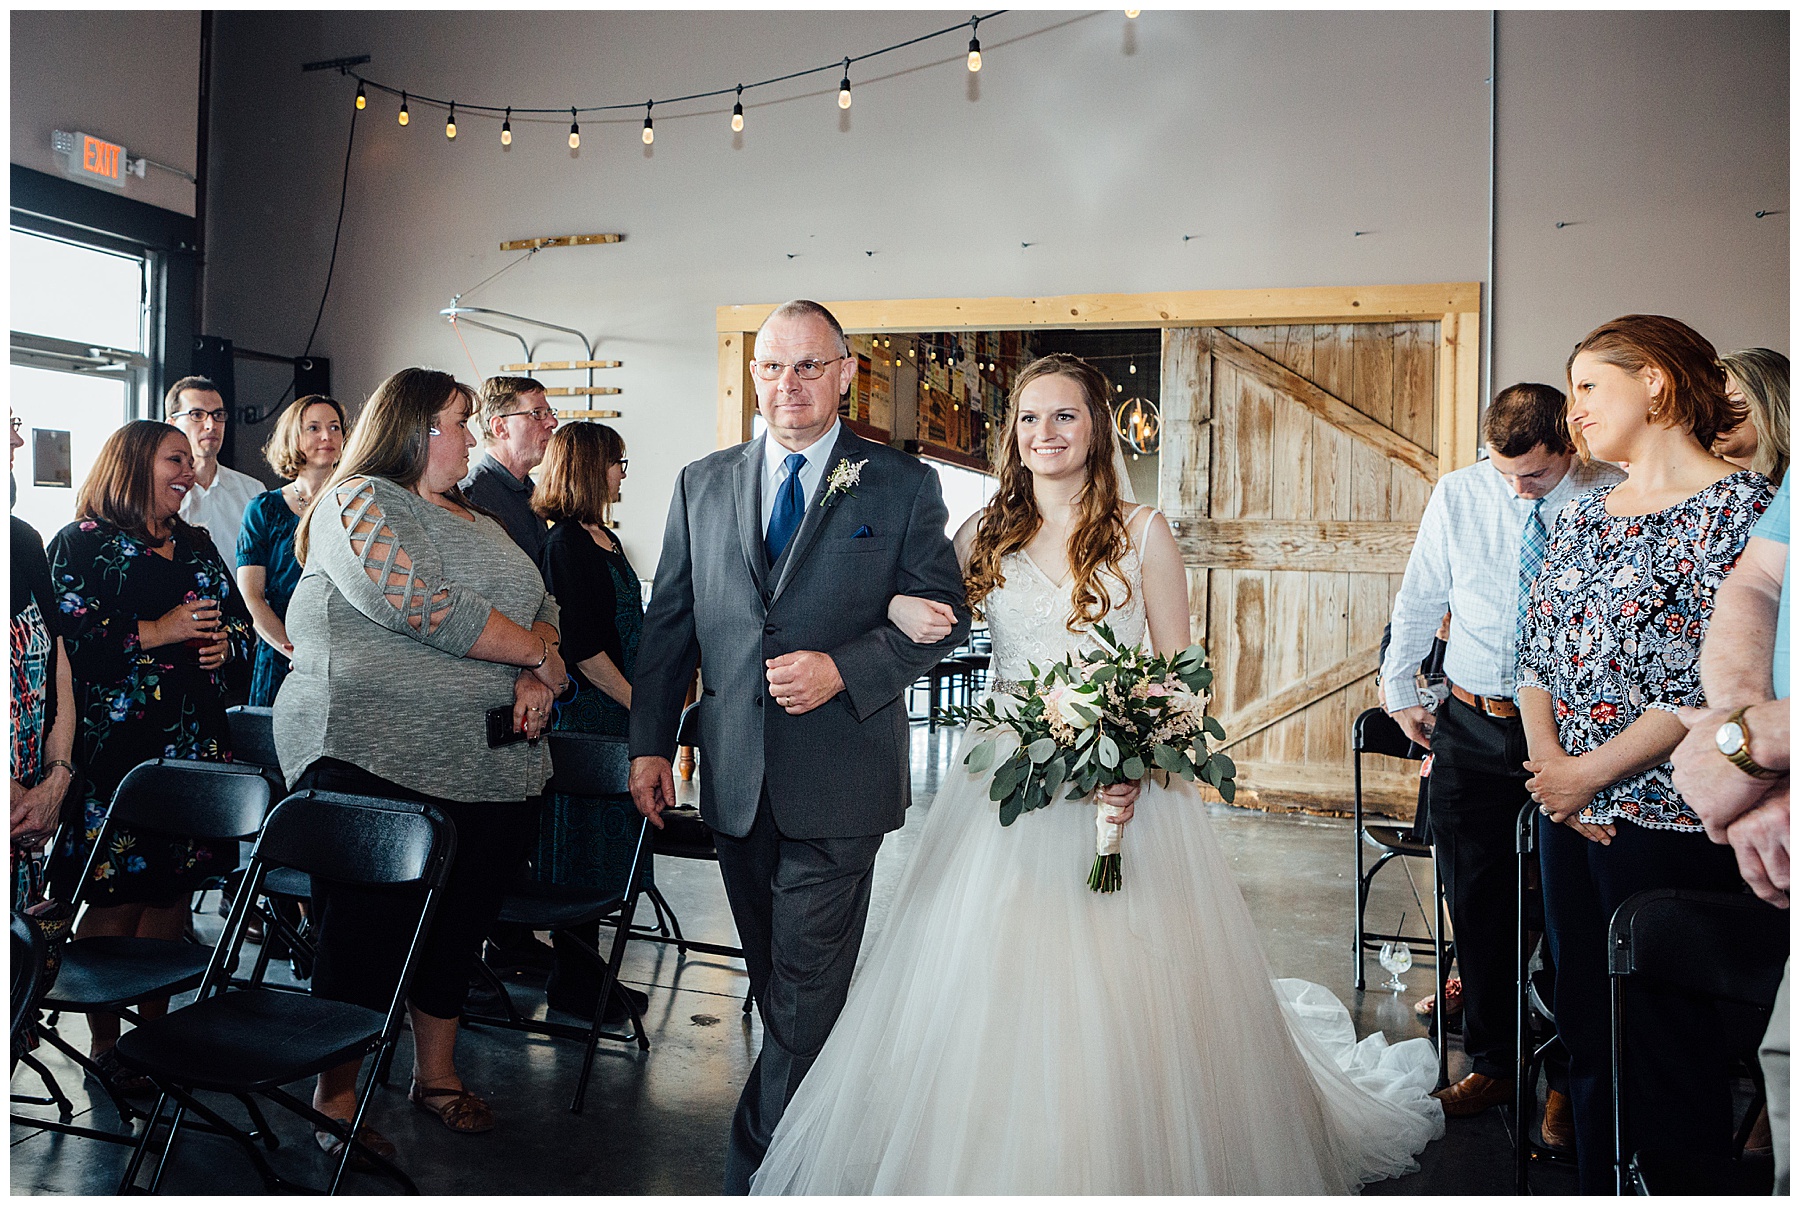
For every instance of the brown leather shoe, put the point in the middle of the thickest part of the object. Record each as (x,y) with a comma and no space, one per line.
(1473,1094)
(1558,1130)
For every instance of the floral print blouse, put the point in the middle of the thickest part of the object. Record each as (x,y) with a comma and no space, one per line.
(135,703)
(1615,624)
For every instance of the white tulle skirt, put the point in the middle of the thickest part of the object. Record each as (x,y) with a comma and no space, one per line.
(1013,1032)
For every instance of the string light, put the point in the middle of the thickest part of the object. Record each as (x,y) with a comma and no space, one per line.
(362,97)
(649,126)
(450,125)
(574,130)
(737,112)
(404,115)
(1132,13)
(1134,366)
(506,130)
(974,44)
(844,87)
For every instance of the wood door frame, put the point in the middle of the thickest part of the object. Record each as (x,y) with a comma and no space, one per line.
(1455,306)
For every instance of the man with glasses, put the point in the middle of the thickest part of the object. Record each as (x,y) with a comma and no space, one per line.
(220,493)
(516,424)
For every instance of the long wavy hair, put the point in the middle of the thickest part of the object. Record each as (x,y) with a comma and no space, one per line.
(1011,518)
(121,486)
(392,437)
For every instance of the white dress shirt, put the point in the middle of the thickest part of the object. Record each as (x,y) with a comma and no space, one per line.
(219,508)
(775,469)
(1466,561)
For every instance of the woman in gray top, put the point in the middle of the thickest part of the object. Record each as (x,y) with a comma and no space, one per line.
(415,615)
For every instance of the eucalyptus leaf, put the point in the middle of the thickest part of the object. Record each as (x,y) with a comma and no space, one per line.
(1227,767)
(1210,772)
(980,758)
(1109,752)
(1105,674)
(1133,768)
(1009,810)
(1055,772)
(1042,749)
(1086,713)
(1228,790)
(1215,728)
(1167,757)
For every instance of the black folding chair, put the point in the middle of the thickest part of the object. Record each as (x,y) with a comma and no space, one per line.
(1375,732)
(253,1040)
(30,981)
(1726,947)
(1536,1041)
(598,768)
(168,797)
(285,923)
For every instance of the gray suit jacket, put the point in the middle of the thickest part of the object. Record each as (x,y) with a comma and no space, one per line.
(840,770)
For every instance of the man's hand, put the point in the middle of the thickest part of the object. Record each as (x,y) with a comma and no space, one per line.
(800,682)
(652,787)
(1759,838)
(1561,788)
(1416,723)
(1706,779)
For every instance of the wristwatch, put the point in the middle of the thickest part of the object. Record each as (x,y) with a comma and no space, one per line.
(1733,740)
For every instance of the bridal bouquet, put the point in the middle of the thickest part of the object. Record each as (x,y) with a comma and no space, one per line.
(1103,717)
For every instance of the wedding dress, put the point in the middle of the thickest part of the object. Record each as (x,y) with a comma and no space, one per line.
(1014,1032)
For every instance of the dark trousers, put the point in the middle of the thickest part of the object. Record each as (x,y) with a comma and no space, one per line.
(1676,1077)
(363,932)
(800,906)
(1477,789)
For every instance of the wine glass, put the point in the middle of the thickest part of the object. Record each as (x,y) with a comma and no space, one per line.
(1396,957)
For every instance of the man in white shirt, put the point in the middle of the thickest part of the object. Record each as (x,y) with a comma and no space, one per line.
(1481,544)
(220,493)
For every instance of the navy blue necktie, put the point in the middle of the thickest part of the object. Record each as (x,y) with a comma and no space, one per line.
(790,505)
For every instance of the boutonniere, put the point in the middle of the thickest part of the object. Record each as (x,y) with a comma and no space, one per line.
(844,476)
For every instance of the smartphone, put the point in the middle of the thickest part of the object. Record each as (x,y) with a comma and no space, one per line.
(500,727)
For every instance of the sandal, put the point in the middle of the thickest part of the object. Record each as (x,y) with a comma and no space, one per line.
(367,1137)
(122,1081)
(463,1112)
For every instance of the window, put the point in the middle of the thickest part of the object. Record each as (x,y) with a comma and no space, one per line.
(79,368)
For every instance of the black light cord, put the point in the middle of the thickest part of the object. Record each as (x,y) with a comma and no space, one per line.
(834,65)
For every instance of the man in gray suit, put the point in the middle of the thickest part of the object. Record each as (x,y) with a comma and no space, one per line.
(778,562)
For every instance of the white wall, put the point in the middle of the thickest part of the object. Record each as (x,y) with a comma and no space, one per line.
(130,77)
(1269,137)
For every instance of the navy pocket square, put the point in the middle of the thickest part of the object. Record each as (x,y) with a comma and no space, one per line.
(863,531)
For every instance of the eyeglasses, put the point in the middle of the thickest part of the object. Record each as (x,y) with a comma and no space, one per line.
(806,370)
(17,423)
(622,462)
(536,416)
(200,416)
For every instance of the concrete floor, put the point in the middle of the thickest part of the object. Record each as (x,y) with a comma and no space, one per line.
(656,1122)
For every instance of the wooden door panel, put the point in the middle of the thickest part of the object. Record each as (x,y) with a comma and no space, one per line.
(1320,444)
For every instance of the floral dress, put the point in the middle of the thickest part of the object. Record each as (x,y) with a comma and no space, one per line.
(267,539)
(1615,624)
(137,704)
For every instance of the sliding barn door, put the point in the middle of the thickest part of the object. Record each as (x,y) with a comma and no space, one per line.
(1296,463)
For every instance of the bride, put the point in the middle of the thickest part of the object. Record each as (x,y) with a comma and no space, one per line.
(1014,1032)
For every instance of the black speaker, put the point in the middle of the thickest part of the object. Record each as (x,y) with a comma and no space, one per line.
(312,375)
(212,358)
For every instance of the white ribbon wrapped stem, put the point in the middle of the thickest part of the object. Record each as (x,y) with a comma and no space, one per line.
(1106,823)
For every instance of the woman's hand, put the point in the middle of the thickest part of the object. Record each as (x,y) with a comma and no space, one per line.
(1561,787)
(553,673)
(531,705)
(36,810)
(194,620)
(1122,796)
(216,654)
(924,621)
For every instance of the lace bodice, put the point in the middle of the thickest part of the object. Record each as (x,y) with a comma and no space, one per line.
(1028,616)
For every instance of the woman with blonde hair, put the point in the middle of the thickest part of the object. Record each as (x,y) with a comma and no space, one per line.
(304,448)
(1757,379)
(1013,1031)
(416,615)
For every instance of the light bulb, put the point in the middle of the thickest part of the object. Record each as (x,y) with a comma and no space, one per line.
(844,87)
(649,126)
(1132,13)
(506,130)
(362,97)
(1134,368)
(450,125)
(737,112)
(574,131)
(974,54)
(404,115)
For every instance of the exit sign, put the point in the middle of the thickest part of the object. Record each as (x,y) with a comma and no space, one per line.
(92,160)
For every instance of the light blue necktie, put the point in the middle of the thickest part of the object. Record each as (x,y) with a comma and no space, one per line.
(790,505)
(1532,549)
